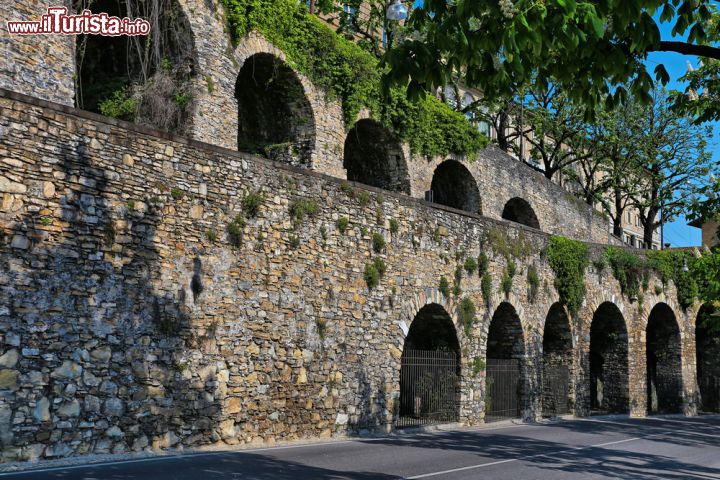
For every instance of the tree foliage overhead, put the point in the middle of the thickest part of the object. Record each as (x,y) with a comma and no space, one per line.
(594,49)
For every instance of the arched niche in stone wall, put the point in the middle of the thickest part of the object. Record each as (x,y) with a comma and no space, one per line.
(664,366)
(707,338)
(505,365)
(143,79)
(518,210)
(454,186)
(609,382)
(374,156)
(430,369)
(557,366)
(275,118)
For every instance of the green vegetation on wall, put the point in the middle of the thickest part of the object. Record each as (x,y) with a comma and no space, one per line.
(351,74)
(466,314)
(695,278)
(569,260)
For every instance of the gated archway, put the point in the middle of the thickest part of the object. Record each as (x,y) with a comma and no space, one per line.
(609,387)
(664,368)
(430,370)
(505,355)
(518,210)
(374,156)
(707,338)
(275,118)
(557,363)
(454,186)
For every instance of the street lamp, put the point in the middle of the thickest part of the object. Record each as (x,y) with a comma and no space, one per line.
(396,11)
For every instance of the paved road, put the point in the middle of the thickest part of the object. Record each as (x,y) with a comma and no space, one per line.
(598,448)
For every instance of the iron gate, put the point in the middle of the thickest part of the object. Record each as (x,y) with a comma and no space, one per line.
(555,390)
(502,389)
(428,388)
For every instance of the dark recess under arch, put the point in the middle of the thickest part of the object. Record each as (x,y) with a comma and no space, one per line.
(275,118)
(373,156)
(454,186)
(609,384)
(664,370)
(518,210)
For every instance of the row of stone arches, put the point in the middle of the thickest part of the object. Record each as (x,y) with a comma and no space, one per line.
(596,381)
(276,120)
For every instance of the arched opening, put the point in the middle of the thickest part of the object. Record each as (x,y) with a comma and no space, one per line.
(275,118)
(664,369)
(430,370)
(557,363)
(144,78)
(707,339)
(454,186)
(373,156)
(518,210)
(609,387)
(505,354)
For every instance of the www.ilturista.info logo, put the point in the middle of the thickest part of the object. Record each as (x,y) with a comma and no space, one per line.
(57,21)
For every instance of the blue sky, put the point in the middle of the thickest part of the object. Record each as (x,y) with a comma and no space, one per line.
(678,233)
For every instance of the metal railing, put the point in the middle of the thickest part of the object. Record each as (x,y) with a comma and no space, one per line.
(502,389)
(429,384)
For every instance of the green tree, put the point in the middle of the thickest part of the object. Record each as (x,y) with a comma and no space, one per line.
(595,50)
(674,161)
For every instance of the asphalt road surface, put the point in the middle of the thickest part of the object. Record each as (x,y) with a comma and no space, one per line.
(597,448)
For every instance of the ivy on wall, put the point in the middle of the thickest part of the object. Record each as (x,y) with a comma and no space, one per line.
(351,74)
(695,278)
(569,259)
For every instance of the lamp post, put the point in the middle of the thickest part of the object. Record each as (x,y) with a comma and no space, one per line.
(396,11)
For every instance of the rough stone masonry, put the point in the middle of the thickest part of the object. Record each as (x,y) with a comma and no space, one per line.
(138,312)
(131,319)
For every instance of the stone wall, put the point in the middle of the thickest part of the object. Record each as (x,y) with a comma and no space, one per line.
(501,178)
(39,65)
(321,145)
(130,318)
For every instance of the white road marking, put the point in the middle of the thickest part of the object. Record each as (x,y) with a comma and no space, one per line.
(239,450)
(527,457)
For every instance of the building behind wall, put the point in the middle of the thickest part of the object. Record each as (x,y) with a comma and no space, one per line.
(710,231)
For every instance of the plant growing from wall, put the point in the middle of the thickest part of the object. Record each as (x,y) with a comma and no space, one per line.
(363,198)
(486,288)
(628,269)
(394,226)
(176,193)
(342,224)
(482,264)
(470,265)
(294,241)
(378,242)
(235,230)
(506,284)
(466,314)
(321,327)
(302,208)
(371,276)
(380,266)
(444,286)
(478,366)
(251,204)
(211,235)
(502,244)
(511,268)
(533,280)
(568,260)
